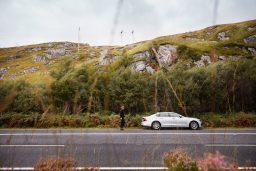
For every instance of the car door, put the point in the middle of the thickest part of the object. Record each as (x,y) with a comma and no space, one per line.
(164,119)
(174,120)
(179,120)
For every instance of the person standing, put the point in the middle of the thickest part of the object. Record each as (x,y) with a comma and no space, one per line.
(122,121)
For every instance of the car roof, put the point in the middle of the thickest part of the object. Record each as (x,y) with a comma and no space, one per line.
(165,112)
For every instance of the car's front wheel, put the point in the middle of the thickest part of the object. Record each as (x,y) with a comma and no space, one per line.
(193,125)
(156,125)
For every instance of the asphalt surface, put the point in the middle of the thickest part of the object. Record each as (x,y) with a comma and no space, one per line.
(129,148)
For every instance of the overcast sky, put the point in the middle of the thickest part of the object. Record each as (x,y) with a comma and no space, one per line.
(25,22)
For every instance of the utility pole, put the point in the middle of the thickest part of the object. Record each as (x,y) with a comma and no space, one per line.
(215,12)
(121,34)
(133,39)
(78,36)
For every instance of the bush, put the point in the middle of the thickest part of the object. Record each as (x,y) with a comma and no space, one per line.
(244,119)
(113,121)
(228,120)
(179,160)
(94,120)
(36,120)
(132,121)
(185,52)
(58,164)
(215,162)
(24,99)
(55,164)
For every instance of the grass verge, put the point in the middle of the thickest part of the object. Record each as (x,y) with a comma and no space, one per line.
(98,121)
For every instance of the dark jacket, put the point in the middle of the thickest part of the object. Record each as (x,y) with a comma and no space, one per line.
(122,114)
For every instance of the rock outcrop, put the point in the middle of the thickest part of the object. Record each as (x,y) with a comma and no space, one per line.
(29,70)
(40,58)
(251,28)
(142,66)
(167,54)
(142,55)
(139,66)
(204,60)
(221,58)
(12,57)
(106,58)
(222,36)
(251,39)
(13,76)
(3,72)
(34,49)
(252,50)
(51,53)
(55,53)
(103,59)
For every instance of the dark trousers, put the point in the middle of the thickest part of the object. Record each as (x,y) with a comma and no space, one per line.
(122,122)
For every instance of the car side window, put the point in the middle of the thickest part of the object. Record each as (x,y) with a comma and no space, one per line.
(164,114)
(172,114)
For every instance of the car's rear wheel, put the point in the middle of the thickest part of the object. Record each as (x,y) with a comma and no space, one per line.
(156,125)
(193,125)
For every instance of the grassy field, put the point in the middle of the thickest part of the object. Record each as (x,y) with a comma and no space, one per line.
(203,42)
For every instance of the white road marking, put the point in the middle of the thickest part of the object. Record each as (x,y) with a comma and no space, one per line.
(111,168)
(128,133)
(246,168)
(31,145)
(230,145)
(100,168)
(16,168)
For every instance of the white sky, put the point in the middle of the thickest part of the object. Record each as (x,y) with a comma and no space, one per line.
(25,22)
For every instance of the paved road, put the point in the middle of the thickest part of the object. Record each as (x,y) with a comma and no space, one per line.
(130,148)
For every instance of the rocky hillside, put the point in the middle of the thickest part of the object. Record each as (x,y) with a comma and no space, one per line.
(198,49)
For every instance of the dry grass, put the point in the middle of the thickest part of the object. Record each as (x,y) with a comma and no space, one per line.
(59,164)
(179,160)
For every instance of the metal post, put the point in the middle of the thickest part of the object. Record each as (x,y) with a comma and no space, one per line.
(78,40)
(133,39)
(121,33)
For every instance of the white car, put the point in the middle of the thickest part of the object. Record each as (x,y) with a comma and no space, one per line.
(170,119)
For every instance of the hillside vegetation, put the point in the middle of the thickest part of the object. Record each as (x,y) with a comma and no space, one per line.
(210,70)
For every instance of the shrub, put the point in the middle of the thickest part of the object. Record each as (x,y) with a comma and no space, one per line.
(94,120)
(229,120)
(37,120)
(26,98)
(244,119)
(113,121)
(58,164)
(132,121)
(215,162)
(179,160)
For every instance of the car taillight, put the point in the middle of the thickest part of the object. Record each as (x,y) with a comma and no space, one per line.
(144,119)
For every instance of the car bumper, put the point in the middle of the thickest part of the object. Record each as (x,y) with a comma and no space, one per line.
(200,124)
(146,124)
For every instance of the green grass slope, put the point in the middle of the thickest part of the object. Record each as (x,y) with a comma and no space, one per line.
(34,62)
